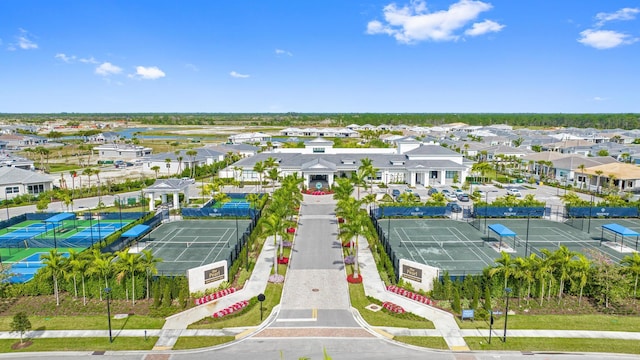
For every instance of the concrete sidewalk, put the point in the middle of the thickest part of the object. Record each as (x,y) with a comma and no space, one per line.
(444,322)
(256,285)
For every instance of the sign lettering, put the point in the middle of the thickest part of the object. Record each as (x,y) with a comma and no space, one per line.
(412,273)
(213,275)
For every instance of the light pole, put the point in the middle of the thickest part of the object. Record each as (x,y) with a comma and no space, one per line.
(486,210)
(6,202)
(119,209)
(590,209)
(526,242)
(107,291)
(506,314)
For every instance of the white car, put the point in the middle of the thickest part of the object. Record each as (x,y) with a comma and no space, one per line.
(514,192)
(450,196)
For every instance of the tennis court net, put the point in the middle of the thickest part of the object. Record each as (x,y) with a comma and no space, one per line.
(184,245)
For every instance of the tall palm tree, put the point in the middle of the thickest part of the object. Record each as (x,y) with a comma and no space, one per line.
(273,225)
(525,270)
(359,179)
(367,168)
(54,262)
(88,172)
(192,155)
(273,175)
(563,258)
(167,161)
(599,174)
(156,169)
(70,269)
(343,189)
(505,267)
(580,271)
(148,264)
(179,158)
(127,264)
(259,167)
(73,174)
(632,262)
(581,167)
(101,265)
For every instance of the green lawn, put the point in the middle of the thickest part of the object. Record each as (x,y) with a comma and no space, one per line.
(249,317)
(560,322)
(555,344)
(93,322)
(194,342)
(383,318)
(432,342)
(82,344)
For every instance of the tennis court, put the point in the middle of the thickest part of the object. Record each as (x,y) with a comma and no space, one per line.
(460,248)
(24,268)
(450,245)
(231,204)
(183,245)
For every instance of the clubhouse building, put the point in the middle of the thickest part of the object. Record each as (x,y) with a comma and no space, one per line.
(411,162)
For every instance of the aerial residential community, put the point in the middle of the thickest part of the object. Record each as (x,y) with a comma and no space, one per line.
(442,179)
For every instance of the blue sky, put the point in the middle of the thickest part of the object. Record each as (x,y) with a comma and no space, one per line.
(570,56)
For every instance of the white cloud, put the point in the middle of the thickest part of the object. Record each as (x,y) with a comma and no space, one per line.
(604,39)
(598,98)
(623,14)
(192,67)
(65,58)
(413,23)
(23,41)
(90,60)
(283,52)
(107,68)
(484,27)
(237,75)
(148,73)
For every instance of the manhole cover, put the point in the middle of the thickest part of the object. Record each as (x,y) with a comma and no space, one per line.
(315,290)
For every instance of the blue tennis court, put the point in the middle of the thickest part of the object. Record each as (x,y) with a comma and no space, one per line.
(236,205)
(25,269)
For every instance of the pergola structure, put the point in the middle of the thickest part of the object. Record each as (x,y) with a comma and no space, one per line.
(164,187)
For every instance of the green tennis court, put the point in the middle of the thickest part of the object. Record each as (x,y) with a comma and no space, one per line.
(460,248)
(183,245)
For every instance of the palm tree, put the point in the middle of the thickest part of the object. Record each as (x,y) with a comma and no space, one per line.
(101,266)
(505,266)
(358,179)
(273,225)
(54,262)
(581,269)
(70,271)
(73,174)
(343,189)
(128,264)
(148,264)
(632,262)
(581,167)
(156,169)
(179,158)
(598,173)
(525,270)
(167,161)
(273,174)
(367,168)
(192,154)
(563,258)
(259,168)
(88,172)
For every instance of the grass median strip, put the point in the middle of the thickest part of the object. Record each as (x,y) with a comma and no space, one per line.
(555,344)
(89,322)
(194,342)
(561,322)
(81,344)
(431,342)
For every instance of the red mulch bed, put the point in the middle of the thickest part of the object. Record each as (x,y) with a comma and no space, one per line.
(354,280)
(283,260)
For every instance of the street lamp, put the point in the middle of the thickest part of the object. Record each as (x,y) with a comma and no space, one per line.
(506,314)
(590,209)
(526,242)
(119,209)
(107,291)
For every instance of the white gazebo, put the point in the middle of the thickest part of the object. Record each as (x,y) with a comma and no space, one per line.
(163,187)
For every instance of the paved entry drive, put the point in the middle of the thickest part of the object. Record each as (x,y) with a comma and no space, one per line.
(316,292)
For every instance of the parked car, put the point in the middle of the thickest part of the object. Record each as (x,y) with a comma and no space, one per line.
(450,196)
(432,191)
(463,197)
(514,192)
(395,192)
(453,207)
(445,191)
(459,191)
